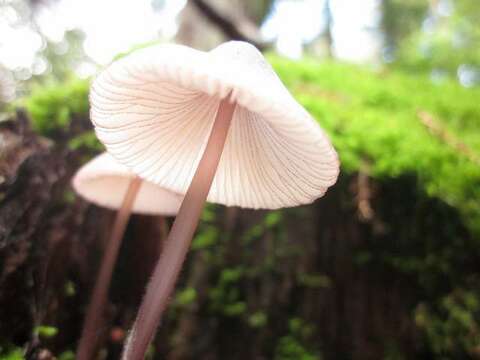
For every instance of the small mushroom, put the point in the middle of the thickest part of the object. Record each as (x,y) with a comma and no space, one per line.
(216,125)
(105,182)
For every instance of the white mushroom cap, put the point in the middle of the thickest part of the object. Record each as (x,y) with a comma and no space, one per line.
(104,182)
(154,109)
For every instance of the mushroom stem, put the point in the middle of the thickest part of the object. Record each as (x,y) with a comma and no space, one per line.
(178,242)
(93,320)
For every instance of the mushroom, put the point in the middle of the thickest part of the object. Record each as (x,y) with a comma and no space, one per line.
(217,126)
(104,182)
(107,183)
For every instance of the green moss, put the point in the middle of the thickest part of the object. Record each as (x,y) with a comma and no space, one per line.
(185,297)
(273,218)
(451,325)
(11,353)
(51,107)
(293,345)
(289,348)
(235,309)
(314,280)
(258,319)
(67,355)
(253,233)
(225,297)
(373,119)
(70,288)
(208,214)
(87,140)
(232,275)
(45,331)
(205,239)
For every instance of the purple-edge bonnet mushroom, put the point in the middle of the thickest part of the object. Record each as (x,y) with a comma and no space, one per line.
(217,126)
(105,182)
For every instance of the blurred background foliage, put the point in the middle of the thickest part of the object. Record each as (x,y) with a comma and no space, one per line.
(387,265)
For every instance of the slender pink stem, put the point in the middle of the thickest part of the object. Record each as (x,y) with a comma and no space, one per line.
(95,311)
(178,242)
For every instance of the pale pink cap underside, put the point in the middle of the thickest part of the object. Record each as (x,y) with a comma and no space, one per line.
(104,182)
(154,109)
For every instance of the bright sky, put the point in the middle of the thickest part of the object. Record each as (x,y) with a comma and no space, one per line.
(17,45)
(354,28)
(292,23)
(295,22)
(113,26)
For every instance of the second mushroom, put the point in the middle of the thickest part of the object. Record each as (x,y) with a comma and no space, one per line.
(105,182)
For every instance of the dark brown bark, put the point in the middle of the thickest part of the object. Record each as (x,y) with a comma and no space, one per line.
(50,244)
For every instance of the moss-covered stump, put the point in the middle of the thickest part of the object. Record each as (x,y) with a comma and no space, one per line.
(386,265)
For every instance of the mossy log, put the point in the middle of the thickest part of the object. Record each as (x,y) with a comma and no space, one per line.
(384,266)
